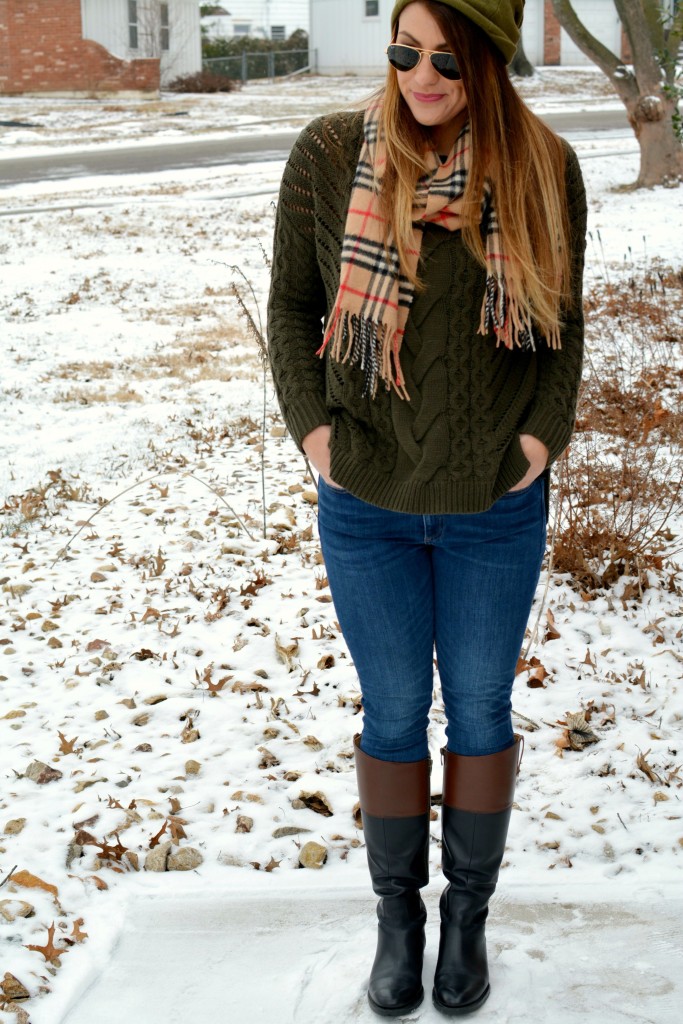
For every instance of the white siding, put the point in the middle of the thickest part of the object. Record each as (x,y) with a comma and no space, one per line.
(106,22)
(262,14)
(349,43)
(532,31)
(345,40)
(601,19)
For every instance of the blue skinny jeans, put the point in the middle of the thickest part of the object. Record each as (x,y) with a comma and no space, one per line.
(405,585)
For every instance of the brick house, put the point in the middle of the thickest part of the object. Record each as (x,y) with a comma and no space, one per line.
(95,47)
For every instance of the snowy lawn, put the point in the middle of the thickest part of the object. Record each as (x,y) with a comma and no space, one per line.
(176,694)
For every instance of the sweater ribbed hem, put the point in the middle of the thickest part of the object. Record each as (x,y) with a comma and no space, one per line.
(419,497)
(551,429)
(308,412)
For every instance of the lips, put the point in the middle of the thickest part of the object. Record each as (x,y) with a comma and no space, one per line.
(428,97)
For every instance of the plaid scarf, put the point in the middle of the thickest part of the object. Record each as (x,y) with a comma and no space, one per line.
(369,318)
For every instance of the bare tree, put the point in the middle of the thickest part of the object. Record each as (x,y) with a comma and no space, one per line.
(650,89)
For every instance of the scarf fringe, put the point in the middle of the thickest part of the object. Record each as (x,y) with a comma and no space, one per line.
(501,314)
(370,345)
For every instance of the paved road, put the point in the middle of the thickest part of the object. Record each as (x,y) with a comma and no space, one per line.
(162,156)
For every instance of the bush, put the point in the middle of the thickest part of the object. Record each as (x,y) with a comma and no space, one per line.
(203,81)
(621,482)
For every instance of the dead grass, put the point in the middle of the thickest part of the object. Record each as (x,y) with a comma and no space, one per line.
(622,479)
(84,396)
(211,352)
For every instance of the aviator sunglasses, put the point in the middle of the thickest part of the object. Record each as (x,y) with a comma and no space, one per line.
(405,58)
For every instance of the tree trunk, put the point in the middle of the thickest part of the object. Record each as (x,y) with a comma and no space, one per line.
(661,155)
(520,64)
(650,112)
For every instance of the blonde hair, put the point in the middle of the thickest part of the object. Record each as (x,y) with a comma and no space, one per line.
(523,160)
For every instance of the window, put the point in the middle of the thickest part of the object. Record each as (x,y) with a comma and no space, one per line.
(372,8)
(165,27)
(278,33)
(133,24)
(241,28)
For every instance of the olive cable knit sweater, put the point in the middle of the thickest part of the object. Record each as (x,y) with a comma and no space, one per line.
(454,447)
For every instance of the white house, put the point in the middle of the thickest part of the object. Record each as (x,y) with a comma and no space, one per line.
(147,28)
(269,19)
(350,35)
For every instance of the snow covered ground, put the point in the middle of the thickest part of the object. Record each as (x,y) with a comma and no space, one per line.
(170,676)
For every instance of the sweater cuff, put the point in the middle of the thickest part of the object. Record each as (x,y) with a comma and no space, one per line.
(550,428)
(308,412)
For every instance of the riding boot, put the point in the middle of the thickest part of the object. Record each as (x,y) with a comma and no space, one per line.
(477,801)
(394,800)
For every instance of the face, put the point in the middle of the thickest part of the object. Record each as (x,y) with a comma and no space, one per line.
(433,100)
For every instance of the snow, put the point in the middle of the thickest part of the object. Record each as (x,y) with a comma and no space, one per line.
(132,400)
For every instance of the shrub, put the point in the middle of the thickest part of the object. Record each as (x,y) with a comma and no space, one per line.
(622,479)
(203,81)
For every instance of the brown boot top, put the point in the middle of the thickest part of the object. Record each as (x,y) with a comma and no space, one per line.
(483,784)
(392,789)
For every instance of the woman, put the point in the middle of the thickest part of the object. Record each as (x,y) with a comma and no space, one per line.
(425,335)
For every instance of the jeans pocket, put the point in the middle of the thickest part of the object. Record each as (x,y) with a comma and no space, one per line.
(331,487)
(522,490)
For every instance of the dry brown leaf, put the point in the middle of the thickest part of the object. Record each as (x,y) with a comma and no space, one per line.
(579,733)
(155,840)
(646,768)
(317,802)
(66,746)
(29,881)
(287,652)
(49,950)
(551,632)
(76,934)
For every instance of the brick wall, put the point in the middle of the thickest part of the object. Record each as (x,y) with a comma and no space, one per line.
(42,50)
(551,35)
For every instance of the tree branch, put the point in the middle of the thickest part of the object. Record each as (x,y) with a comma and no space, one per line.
(621,78)
(645,40)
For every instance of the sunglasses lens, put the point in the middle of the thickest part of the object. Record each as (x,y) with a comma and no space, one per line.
(403,58)
(445,64)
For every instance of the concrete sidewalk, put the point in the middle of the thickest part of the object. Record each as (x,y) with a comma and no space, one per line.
(303,958)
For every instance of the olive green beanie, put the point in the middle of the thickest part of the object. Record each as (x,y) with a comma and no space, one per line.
(501,20)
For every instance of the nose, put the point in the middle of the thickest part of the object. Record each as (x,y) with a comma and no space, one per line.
(425,73)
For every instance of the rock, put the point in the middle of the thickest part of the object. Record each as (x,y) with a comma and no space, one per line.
(310,496)
(192,767)
(41,773)
(289,830)
(312,855)
(312,742)
(184,859)
(244,823)
(73,852)
(143,748)
(13,989)
(156,859)
(132,859)
(14,827)
(141,719)
(230,860)
(12,909)
(157,699)
(100,716)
